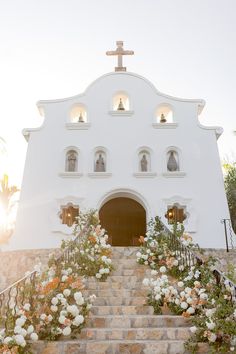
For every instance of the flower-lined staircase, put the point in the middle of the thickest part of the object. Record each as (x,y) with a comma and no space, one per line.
(120,322)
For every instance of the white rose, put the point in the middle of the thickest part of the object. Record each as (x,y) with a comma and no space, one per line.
(180,284)
(138,254)
(34,337)
(7,340)
(30,329)
(210,325)
(17,329)
(184,305)
(193,329)
(146,282)
(66,292)
(50,318)
(98,275)
(64,278)
(61,319)
(26,307)
(190,310)
(66,331)
(78,320)
(20,321)
(212,337)
(77,295)
(158,297)
(154,272)
(73,309)
(20,340)
(80,301)
(54,308)
(163,269)
(43,317)
(54,301)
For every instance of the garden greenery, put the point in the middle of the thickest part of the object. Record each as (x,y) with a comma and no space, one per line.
(190,291)
(54,306)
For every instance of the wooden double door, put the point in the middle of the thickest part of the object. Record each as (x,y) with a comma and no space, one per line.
(124,220)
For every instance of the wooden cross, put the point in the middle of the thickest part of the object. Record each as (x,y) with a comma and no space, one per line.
(120,52)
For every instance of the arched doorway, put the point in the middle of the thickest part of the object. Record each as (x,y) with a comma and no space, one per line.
(124,220)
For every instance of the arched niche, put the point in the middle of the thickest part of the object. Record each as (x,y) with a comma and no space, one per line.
(78,114)
(71,160)
(144,160)
(100,160)
(172,160)
(120,102)
(164,113)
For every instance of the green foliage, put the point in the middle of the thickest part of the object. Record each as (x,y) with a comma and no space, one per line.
(230,188)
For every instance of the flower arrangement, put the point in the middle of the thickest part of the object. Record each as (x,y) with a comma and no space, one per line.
(190,290)
(54,306)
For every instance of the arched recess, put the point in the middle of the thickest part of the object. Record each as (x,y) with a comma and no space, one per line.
(173,159)
(78,114)
(144,159)
(124,216)
(100,159)
(164,113)
(71,159)
(120,101)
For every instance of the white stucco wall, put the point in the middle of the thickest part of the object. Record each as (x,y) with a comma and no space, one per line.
(200,188)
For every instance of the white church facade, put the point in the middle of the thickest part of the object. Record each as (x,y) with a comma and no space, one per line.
(130,152)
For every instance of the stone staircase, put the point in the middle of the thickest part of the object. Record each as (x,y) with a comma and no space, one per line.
(120,322)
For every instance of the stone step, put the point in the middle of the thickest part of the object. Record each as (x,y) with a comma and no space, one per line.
(137,321)
(125,264)
(121,310)
(95,285)
(124,252)
(164,333)
(114,347)
(123,279)
(116,292)
(118,301)
(139,272)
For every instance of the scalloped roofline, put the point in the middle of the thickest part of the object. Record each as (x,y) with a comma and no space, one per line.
(201,102)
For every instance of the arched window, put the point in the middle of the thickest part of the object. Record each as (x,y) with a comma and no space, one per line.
(172,161)
(71,163)
(68,214)
(144,161)
(164,114)
(100,161)
(78,114)
(120,102)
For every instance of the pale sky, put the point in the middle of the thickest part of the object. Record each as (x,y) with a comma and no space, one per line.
(56,48)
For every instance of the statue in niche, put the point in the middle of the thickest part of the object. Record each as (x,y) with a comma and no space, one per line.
(121,106)
(81,118)
(100,164)
(144,163)
(172,164)
(71,161)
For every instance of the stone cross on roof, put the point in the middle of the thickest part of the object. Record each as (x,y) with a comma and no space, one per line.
(120,52)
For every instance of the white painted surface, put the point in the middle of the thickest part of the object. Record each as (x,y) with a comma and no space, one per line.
(45,187)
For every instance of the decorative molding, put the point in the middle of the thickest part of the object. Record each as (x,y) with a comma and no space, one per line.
(174,174)
(218,130)
(145,174)
(165,125)
(70,174)
(26,132)
(121,113)
(99,174)
(78,126)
